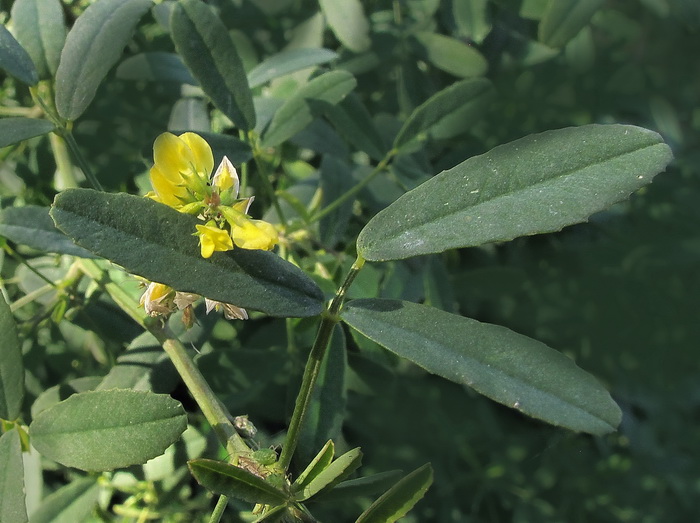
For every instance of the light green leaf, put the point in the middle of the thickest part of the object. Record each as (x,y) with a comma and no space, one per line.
(14,59)
(311,100)
(315,466)
(63,391)
(39,26)
(460,96)
(360,487)
(108,429)
(191,114)
(348,21)
(333,474)
(203,42)
(18,129)
(471,19)
(229,480)
(155,67)
(563,19)
(401,498)
(507,367)
(287,62)
(450,55)
(11,367)
(71,503)
(539,183)
(352,120)
(12,508)
(155,241)
(92,47)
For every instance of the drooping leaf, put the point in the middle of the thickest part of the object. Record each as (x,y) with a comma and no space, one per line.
(71,503)
(401,498)
(11,367)
(563,19)
(333,474)
(92,47)
(507,367)
(317,465)
(155,241)
(203,42)
(301,108)
(17,129)
(450,55)
(12,506)
(287,62)
(348,21)
(31,225)
(14,59)
(108,429)
(155,66)
(229,480)
(39,26)
(360,487)
(539,183)
(352,120)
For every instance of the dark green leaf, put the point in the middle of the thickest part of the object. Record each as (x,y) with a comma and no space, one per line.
(40,27)
(15,60)
(12,508)
(155,241)
(336,180)
(229,480)
(317,465)
(15,130)
(203,42)
(155,67)
(11,367)
(333,474)
(348,21)
(92,47)
(400,498)
(352,120)
(537,184)
(299,111)
(286,62)
(32,226)
(71,503)
(507,367)
(450,55)
(104,430)
(360,487)
(563,20)
(471,19)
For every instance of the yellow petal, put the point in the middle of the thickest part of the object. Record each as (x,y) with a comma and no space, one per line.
(254,234)
(226,177)
(213,239)
(172,156)
(166,190)
(201,154)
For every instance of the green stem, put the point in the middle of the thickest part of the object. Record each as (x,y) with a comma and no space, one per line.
(313,366)
(29,298)
(219,510)
(73,146)
(65,178)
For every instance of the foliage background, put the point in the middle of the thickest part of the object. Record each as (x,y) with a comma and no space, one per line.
(618,294)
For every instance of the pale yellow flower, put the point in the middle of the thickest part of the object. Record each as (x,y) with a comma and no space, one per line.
(211,239)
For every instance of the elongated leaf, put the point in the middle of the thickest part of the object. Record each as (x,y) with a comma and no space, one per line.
(360,487)
(333,474)
(348,21)
(156,242)
(15,130)
(15,60)
(540,183)
(11,368)
(315,467)
(299,111)
(352,119)
(229,480)
(12,507)
(108,429)
(287,62)
(203,42)
(63,391)
(336,180)
(450,55)
(40,27)
(400,498)
(71,503)
(467,93)
(32,226)
(507,367)
(191,114)
(471,19)
(563,20)
(92,47)
(155,67)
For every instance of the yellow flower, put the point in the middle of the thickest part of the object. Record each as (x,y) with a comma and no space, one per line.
(211,239)
(254,234)
(157,299)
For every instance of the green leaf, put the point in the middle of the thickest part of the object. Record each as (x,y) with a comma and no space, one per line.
(32,226)
(336,180)
(18,129)
(229,480)
(63,391)
(352,120)
(315,466)
(155,241)
(92,47)
(155,67)
(507,367)
(450,55)
(104,430)
(471,19)
(467,94)
(40,27)
(12,508)
(401,498)
(15,60)
(539,183)
(563,20)
(287,62)
(301,108)
(360,487)
(331,475)
(11,367)
(71,503)
(191,114)
(348,21)
(203,42)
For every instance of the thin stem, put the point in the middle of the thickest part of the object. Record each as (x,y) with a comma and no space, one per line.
(9,250)
(313,366)
(65,178)
(73,146)
(219,510)
(29,298)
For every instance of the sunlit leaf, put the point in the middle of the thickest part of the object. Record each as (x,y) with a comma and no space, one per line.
(12,506)
(40,27)
(348,21)
(333,474)
(317,465)
(73,502)
(450,55)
